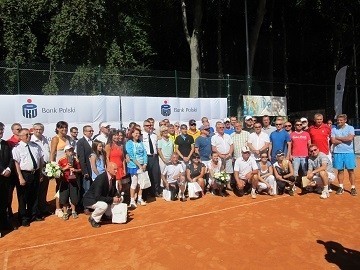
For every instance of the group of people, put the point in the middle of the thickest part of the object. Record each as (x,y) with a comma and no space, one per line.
(182,161)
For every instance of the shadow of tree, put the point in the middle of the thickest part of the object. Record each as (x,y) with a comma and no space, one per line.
(344,258)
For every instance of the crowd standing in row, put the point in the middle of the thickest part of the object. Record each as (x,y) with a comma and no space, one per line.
(179,159)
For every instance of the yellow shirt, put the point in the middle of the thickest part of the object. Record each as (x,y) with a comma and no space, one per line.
(194,134)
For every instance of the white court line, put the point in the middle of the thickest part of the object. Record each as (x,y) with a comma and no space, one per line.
(144,226)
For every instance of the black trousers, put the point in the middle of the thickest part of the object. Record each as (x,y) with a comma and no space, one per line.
(153,169)
(41,202)
(4,193)
(27,195)
(281,184)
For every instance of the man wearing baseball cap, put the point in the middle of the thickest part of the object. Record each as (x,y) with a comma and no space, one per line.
(104,132)
(249,124)
(193,131)
(229,129)
(246,172)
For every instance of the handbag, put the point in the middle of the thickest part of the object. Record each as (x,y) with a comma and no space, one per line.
(193,189)
(144,180)
(119,213)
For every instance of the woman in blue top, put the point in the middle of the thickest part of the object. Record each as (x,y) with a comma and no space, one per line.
(138,160)
(97,159)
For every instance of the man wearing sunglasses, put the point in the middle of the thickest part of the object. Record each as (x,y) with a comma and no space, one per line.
(320,170)
(279,140)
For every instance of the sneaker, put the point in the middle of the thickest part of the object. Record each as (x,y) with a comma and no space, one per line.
(59,213)
(74,215)
(330,190)
(132,205)
(141,202)
(353,192)
(340,191)
(291,192)
(183,199)
(65,216)
(324,195)
(253,194)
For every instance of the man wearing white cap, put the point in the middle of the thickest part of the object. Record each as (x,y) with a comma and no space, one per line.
(104,132)
(229,129)
(246,171)
(249,124)
(305,123)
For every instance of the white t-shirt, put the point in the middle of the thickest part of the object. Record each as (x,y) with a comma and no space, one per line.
(245,166)
(213,167)
(222,143)
(172,170)
(258,141)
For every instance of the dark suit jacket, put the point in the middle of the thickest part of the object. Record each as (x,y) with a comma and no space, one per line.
(100,191)
(84,151)
(6,159)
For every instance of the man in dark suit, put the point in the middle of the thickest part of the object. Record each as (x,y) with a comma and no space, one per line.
(102,194)
(84,149)
(6,163)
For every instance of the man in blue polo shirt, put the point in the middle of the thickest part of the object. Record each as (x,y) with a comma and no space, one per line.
(279,140)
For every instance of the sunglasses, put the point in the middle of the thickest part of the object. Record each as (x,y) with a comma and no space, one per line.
(278,124)
(193,124)
(288,126)
(298,124)
(147,125)
(313,150)
(221,127)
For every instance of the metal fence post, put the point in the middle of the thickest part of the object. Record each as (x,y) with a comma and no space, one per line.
(176,83)
(18,77)
(99,80)
(228,94)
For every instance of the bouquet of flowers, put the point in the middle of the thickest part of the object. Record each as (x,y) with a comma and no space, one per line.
(222,178)
(52,169)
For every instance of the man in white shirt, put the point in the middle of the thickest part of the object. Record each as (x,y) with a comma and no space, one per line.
(246,172)
(258,142)
(223,145)
(104,133)
(173,177)
(153,167)
(41,140)
(28,159)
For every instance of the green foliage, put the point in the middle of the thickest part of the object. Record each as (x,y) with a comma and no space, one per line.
(84,81)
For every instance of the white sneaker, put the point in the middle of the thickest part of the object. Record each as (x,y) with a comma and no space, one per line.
(132,205)
(253,194)
(330,190)
(141,202)
(324,195)
(59,213)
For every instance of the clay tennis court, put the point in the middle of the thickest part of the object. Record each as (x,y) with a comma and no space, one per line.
(281,232)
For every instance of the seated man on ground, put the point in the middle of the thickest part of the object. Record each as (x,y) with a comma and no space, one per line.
(102,194)
(173,178)
(246,172)
(320,170)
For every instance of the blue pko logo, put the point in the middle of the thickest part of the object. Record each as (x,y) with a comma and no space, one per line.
(165,109)
(29,110)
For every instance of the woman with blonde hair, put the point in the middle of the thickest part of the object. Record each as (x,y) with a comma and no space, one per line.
(284,174)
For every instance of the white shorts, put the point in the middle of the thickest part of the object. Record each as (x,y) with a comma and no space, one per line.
(318,180)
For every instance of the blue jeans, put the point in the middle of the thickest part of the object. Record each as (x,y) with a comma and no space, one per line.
(297,162)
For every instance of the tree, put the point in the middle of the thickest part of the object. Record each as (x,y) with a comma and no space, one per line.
(193,42)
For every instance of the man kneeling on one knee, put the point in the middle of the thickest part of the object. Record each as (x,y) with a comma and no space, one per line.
(246,172)
(320,170)
(102,194)
(173,177)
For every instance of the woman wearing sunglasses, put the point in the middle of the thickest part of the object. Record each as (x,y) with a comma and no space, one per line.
(267,181)
(195,172)
(284,173)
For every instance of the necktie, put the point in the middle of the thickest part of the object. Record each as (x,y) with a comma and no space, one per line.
(32,158)
(151,145)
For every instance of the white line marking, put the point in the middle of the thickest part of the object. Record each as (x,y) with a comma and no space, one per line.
(146,225)
(6,259)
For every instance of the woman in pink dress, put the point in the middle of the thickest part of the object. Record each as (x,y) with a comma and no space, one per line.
(115,153)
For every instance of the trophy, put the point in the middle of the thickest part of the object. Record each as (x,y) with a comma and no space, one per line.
(72,176)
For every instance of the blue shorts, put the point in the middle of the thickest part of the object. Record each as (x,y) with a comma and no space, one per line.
(344,161)
(132,171)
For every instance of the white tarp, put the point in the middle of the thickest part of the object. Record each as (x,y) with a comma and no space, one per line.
(48,110)
(137,109)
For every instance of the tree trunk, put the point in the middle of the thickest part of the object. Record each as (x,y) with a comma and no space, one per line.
(219,49)
(285,57)
(271,50)
(255,32)
(193,42)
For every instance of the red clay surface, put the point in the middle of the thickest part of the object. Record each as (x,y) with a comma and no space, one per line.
(281,232)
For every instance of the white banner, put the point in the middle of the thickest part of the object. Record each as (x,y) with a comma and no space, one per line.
(339,90)
(137,109)
(48,110)
(265,105)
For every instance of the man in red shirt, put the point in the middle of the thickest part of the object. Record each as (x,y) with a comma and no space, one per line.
(14,181)
(320,134)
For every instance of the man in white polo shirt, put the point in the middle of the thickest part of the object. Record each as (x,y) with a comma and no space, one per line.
(104,133)
(246,172)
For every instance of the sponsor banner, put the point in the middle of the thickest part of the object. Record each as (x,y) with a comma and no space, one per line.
(137,109)
(265,105)
(48,110)
(339,90)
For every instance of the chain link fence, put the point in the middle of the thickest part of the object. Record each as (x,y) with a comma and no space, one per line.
(64,79)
